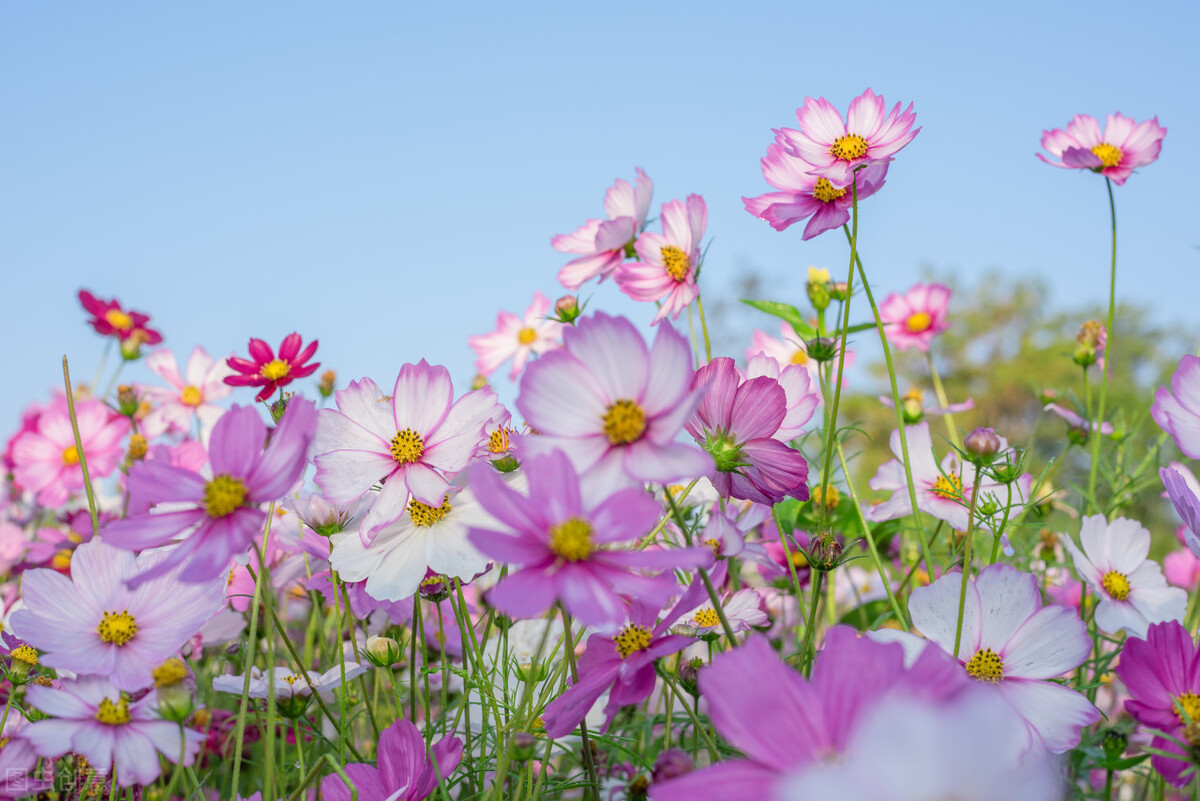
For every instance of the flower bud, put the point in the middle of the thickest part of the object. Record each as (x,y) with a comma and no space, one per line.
(824,552)
(1114,743)
(823,349)
(127,400)
(820,495)
(523,746)
(174,684)
(479,381)
(638,789)
(280,406)
(567,309)
(819,288)
(1005,472)
(24,659)
(131,346)
(671,764)
(913,406)
(688,673)
(382,651)
(982,445)
(841,290)
(328,379)
(137,449)
(435,588)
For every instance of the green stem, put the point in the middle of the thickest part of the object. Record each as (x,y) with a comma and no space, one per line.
(943,401)
(704,329)
(966,569)
(805,661)
(712,593)
(588,763)
(87,480)
(1098,420)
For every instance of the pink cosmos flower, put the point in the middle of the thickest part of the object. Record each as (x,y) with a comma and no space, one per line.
(110,320)
(800,395)
(790,349)
(93,718)
(92,624)
(601,245)
(736,422)
(414,441)
(1179,414)
(835,148)
(560,534)
(1184,492)
(188,396)
(803,195)
(612,404)
(405,771)
(221,516)
(913,319)
(1162,675)
(667,262)
(265,369)
(18,774)
(517,338)
(1124,145)
(45,460)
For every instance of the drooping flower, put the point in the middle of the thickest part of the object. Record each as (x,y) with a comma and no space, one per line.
(405,770)
(414,441)
(913,319)
(265,369)
(1124,145)
(1184,492)
(110,320)
(803,195)
(1179,414)
(222,515)
(1131,589)
(46,461)
(189,395)
(517,338)
(601,245)
(666,267)
(114,734)
(614,405)
(835,148)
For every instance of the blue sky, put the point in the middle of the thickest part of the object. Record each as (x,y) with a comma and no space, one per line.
(387,176)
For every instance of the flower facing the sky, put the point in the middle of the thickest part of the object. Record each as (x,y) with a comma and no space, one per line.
(517,338)
(835,148)
(1131,588)
(666,267)
(1123,146)
(913,319)
(1178,412)
(265,369)
(188,395)
(601,245)
(405,770)
(218,517)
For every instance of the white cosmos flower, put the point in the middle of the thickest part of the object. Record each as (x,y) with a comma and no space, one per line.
(289,683)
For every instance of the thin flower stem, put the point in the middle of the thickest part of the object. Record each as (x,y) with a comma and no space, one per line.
(805,660)
(87,479)
(1098,420)
(697,726)
(712,593)
(943,400)
(966,569)
(362,679)
(787,551)
(704,329)
(589,765)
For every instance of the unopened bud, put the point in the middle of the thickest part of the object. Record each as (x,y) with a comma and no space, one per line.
(382,651)
(689,672)
(822,349)
(671,764)
(435,588)
(639,788)
(982,445)
(131,346)
(820,288)
(829,497)
(127,400)
(328,379)
(567,309)
(173,684)
(913,406)
(523,746)
(479,381)
(280,406)
(824,552)
(1048,396)
(1114,743)
(1005,472)
(841,290)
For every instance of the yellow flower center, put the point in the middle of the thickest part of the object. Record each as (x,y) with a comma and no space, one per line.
(118,319)
(572,540)
(191,396)
(113,714)
(826,193)
(800,357)
(706,618)
(138,446)
(70,456)
(918,322)
(986,666)
(1116,585)
(632,639)
(498,440)
(275,370)
(848,147)
(714,545)
(223,495)
(425,515)
(799,559)
(914,395)
(26,654)
(829,497)
(675,261)
(948,486)
(169,673)
(1187,704)
(117,628)
(526,336)
(61,560)
(1109,155)
(408,446)
(624,422)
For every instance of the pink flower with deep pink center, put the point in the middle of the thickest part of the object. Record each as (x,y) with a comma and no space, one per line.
(222,515)
(667,262)
(517,338)
(91,623)
(405,769)
(188,395)
(92,718)
(804,196)
(110,320)
(414,441)
(265,369)
(737,422)
(1123,146)
(614,405)
(601,245)
(835,148)
(1177,411)
(913,319)
(561,534)
(46,461)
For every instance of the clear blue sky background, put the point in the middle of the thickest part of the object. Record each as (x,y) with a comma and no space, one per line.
(386,176)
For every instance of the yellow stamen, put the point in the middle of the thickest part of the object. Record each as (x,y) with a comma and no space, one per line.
(829,497)
(675,261)
(1109,155)
(425,515)
(113,714)
(914,395)
(117,628)
(498,440)
(118,319)
(572,539)
(275,369)
(1187,704)
(707,618)
(408,446)
(948,486)
(848,147)
(799,357)
(1116,585)
(223,495)
(138,446)
(624,422)
(169,673)
(26,654)
(526,336)
(632,639)
(191,396)
(986,666)
(918,322)
(70,456)
(826,192)
(61,561)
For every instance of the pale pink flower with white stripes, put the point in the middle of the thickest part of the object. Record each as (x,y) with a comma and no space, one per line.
(666,269)
(188,395)
(517,338)
(601,245)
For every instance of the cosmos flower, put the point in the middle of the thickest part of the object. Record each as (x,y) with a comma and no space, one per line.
(666,267)
(406,770)
(791,349)
(913,319)
(187,396)
(1123,146)
(601,245)
(289,684)
(1184,492)
(110,320)
(265,369)
(1179,414)
(517,338)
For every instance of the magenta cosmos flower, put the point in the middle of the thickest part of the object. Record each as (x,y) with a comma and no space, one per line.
(517,338)
(110,320)
(93,718)
(1179,414)
(1162,675)
(188,395)
(614,405)
(913,319)
(560,535)
(265,369)
(91,623)
(737,423)
(601,245)
(835,148)
(1124,146)
(217,518)
(414,441)
(45,459)
(667,262)
(804,196)
(405,771)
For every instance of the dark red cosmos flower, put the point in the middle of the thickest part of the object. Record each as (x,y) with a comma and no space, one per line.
(265,369)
